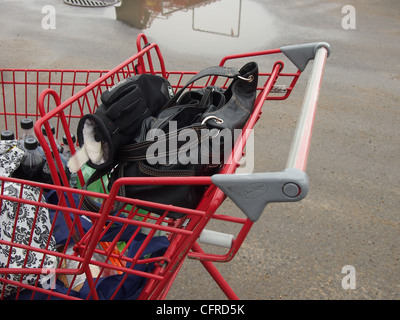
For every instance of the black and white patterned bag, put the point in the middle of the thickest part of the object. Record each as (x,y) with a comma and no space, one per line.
(22,223)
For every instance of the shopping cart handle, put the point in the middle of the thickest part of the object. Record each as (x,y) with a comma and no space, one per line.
(252,192)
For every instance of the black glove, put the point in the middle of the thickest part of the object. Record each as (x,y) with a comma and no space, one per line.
(118,119)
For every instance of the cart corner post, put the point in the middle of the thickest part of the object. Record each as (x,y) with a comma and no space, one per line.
(301,54)
(252,192)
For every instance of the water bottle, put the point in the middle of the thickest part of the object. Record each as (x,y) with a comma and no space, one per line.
(59,147)
(7,135)
(32,162)
(67,151)
(26,131)
(53,131)
(46,174)
(73,181)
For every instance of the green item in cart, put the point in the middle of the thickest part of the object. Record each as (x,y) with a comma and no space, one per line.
(96,186)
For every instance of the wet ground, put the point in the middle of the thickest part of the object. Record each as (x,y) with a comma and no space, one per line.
(351,214)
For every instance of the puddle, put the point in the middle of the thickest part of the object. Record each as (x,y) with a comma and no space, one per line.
(217,27)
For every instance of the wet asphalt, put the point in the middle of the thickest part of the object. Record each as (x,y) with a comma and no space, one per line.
(351,216)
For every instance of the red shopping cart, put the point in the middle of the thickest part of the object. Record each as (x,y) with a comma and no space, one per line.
(132,253)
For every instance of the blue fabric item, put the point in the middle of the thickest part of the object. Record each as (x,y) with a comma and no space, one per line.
(133,284)
(113,231)
(61,230)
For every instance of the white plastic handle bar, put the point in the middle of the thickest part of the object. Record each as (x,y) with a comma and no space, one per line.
(215,238)
(301,140)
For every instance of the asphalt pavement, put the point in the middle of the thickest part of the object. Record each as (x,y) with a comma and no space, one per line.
(350,220)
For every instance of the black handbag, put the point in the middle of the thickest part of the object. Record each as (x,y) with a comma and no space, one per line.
(192,136)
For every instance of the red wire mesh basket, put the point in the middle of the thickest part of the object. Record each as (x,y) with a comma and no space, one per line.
(130,254)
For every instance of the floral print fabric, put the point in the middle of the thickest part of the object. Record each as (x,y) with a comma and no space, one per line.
(22,223)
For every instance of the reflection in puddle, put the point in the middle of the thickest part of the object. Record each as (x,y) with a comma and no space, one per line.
(201,27)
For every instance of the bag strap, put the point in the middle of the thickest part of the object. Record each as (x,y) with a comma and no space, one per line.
(138,151)
(219,71)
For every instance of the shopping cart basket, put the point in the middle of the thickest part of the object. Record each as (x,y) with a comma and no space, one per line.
(134,254)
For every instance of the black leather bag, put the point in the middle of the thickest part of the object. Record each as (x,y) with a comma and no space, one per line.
(192,136)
